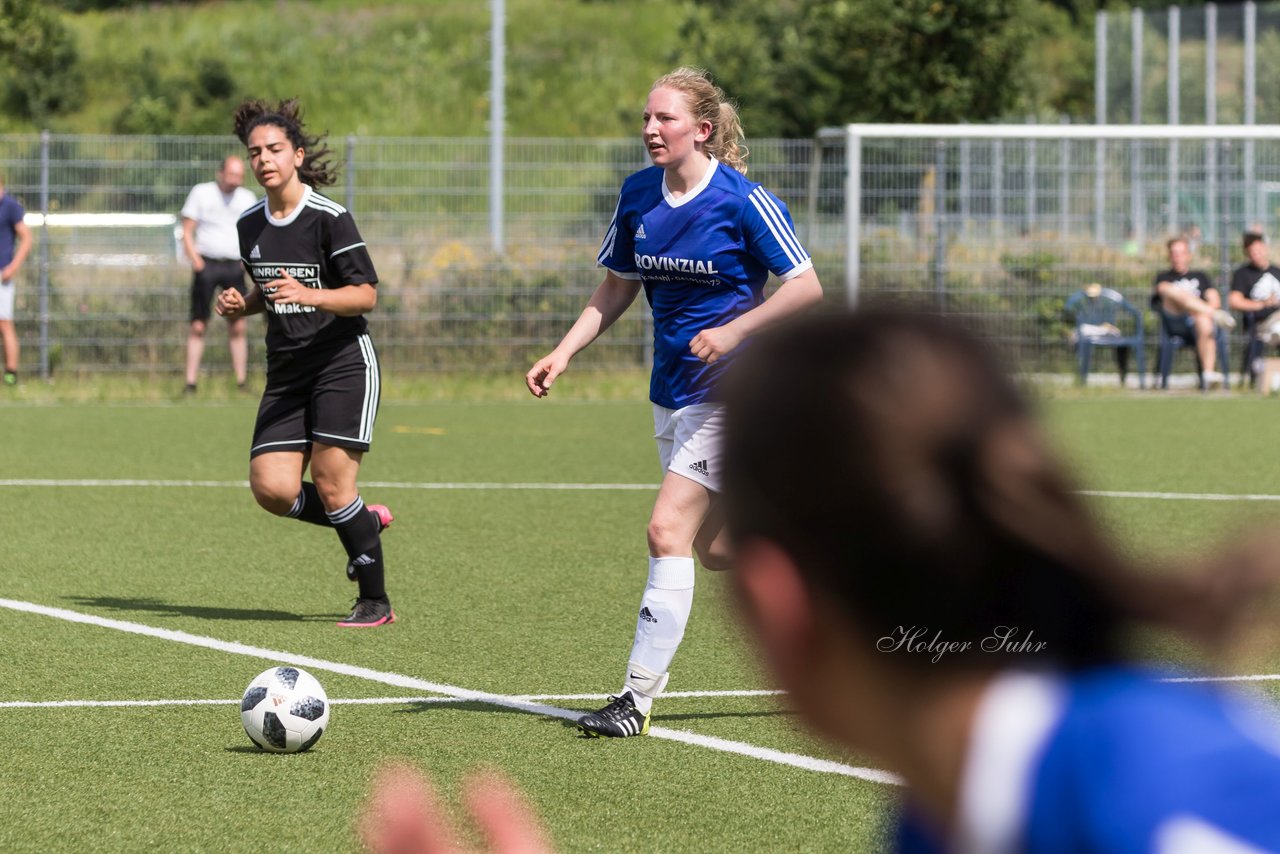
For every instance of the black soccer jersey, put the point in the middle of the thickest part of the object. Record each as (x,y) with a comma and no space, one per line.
(319,245)
(1256,283)
(1194,282)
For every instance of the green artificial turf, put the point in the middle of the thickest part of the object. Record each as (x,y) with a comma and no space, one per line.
(515,591)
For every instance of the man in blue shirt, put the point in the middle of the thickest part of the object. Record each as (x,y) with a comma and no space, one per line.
(15,243)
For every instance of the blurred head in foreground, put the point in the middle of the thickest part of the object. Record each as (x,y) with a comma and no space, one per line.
(928,587)
(889,457)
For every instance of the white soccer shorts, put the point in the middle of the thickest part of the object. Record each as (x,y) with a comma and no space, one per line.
(6,300)
(689,441)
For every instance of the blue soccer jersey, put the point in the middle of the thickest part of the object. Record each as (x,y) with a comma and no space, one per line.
(703,259)
(1114,760)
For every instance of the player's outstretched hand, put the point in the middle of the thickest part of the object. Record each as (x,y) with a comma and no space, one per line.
(230,303)
(544,373)
(715,343)
(403,815)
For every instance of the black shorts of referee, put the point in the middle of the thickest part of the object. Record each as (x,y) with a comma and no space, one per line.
(327,393)
(217,273)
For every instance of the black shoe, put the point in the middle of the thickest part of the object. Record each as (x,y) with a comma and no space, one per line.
(619,719)
(189,390)
(369,613)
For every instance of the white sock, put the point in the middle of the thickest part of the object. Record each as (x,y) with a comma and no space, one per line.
(664,613)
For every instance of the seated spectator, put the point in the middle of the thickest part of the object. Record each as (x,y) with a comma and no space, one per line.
(1193,306)
(930,589)
(1255,290)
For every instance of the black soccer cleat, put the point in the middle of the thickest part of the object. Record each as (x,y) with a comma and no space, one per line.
(619,719)
(369,613)
(384,517)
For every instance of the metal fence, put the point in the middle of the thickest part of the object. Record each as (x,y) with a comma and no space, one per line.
(115,286)
(1209,64)
(997,222)
(1001,224)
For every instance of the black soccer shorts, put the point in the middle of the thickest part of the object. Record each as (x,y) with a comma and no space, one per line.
(216,274)
(327,394)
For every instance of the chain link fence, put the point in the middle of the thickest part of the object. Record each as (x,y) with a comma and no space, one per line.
(999,224)
(106,286)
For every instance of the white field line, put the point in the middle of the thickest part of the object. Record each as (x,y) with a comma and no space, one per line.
(353,701)
(399,701)
(1181,496)
(627,487)
(808,763)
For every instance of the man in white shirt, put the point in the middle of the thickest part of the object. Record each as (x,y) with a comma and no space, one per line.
(212,246)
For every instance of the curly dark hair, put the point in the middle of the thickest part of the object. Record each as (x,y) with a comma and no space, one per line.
(316,169)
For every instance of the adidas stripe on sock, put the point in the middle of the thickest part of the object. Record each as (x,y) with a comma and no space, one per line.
(360,534)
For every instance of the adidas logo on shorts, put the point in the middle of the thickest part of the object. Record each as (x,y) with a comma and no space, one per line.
(700,467)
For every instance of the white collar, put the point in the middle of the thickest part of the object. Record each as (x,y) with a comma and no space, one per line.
(693,193)
(1015,718)
(297,209)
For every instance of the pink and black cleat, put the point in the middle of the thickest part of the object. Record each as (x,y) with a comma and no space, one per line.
(369,613)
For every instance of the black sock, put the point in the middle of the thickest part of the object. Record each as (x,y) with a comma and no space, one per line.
(371,577)
(361,536)
(308,507)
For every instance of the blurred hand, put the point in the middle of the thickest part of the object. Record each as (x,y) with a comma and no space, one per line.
(230,303)
(403,815)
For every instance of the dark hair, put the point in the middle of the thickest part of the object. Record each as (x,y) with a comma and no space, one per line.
(316,170)
(1168,244)
(898,465)
(1252,237)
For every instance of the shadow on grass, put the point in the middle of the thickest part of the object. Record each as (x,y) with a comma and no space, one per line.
(658,720)
(168,609)
(254,750)
(706,716)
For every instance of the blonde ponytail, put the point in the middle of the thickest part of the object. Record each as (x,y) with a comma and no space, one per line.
(707,103)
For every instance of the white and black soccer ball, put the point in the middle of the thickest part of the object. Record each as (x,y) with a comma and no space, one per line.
(284,710)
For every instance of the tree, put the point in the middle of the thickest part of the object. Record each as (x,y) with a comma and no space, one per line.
(196,100)
(798,65)
(39,75)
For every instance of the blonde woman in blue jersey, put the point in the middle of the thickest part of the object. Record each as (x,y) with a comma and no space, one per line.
(701,240)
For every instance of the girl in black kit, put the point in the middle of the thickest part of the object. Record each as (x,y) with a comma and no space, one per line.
(315,280)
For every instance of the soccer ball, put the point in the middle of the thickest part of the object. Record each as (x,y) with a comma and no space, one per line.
(284,710)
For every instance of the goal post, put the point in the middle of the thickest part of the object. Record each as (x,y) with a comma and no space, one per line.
(1068,185)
